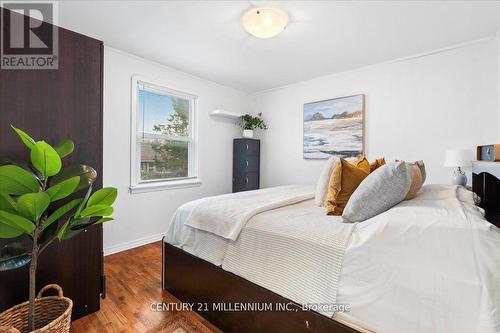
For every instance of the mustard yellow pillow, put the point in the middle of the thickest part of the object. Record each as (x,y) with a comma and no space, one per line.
(362,163)
(344,180)
(377,164)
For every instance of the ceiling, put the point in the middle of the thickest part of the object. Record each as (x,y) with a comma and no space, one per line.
(205,38)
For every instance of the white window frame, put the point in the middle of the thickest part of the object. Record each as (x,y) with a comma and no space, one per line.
(193,179)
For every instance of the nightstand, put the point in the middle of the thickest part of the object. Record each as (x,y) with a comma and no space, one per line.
(486,184)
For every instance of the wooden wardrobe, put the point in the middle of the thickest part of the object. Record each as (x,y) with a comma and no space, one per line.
(53,105)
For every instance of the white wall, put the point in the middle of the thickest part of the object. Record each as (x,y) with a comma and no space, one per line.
(415,109)
(143,218)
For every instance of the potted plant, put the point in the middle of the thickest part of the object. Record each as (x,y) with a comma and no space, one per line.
(31,203)
(249,123)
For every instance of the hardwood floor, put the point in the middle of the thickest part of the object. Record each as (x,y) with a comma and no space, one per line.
(133,284)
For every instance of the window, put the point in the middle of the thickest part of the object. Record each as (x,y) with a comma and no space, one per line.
(164,152)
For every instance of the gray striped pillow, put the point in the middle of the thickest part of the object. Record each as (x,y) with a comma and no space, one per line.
(382,189)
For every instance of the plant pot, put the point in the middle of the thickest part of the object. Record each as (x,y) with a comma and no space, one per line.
(248,134)
(52,314)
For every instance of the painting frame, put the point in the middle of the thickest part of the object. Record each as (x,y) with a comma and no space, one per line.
(358,132)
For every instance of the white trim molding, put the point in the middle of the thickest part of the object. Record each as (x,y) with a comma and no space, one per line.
(138,186)
(133,244)
(168,185)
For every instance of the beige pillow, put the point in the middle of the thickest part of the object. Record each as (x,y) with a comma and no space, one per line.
(324,178)
(421,166)
(416,181)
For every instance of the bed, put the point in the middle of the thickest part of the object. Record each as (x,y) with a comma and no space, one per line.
(428,264)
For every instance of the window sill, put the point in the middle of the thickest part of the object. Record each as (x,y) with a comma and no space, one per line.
(168,185)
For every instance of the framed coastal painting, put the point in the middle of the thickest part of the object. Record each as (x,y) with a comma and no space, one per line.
(334,127)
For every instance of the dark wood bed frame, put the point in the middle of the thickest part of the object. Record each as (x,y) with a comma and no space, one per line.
(204,285)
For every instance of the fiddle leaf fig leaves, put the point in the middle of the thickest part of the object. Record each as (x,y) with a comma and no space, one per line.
(17,181)
(28,190)
(9,231)
(16,221)
(64,148)
(97,210)
(104,196)
(63,189)
(33,205)
(61,211)
(87,175)
(7,203)
(104,219)
(25,138)
(45,159)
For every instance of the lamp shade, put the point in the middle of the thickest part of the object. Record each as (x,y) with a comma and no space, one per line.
(458,158)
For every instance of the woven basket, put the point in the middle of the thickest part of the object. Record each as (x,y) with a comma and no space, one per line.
(52,314)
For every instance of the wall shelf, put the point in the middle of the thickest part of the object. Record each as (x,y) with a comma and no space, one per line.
(225,114)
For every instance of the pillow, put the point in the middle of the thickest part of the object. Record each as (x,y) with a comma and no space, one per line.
(377,164)
(324,178)
(421,166)
(361,163)
(381,190)
(416,181)
(344,180)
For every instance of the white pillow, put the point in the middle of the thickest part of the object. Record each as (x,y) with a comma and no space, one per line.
(323,180)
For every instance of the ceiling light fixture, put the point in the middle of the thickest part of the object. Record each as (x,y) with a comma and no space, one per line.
(264,22)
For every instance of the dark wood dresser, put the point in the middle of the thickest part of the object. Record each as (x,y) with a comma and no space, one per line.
(486,184)
(246,164)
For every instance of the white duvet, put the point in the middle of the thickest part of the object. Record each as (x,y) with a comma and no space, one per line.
(232,211)
(431,264)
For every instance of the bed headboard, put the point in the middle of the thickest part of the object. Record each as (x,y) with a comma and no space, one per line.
(486,184)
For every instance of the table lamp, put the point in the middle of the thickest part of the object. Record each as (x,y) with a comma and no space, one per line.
(459,158)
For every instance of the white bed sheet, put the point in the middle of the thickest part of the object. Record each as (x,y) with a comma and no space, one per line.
(406,270)
(431,264)
(200,243)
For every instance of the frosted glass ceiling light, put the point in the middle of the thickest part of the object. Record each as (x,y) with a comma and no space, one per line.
(264,22)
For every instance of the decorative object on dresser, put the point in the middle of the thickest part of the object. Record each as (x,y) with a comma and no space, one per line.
(458,158)
(246,164)
(488,153)
(334,127)
(249,123)
(486,184)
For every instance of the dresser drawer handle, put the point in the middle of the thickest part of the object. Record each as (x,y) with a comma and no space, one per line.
(246,162)
(246,146)
(246,180)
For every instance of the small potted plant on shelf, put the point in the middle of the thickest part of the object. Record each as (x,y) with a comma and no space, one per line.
(249,123)
(34,197)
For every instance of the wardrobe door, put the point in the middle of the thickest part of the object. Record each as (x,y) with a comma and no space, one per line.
(53,105)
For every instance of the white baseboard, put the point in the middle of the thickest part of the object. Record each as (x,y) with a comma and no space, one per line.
(131,244)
